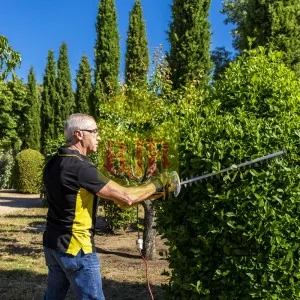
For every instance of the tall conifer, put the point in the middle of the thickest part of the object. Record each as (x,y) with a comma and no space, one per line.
(83,92)
(32,114)
(8,123)
(49,98)
(18,105)
(137,54)
(269,23)
(189,36)
(107,51)
(65,103)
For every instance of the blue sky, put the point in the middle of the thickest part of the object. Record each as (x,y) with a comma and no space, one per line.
(35,26)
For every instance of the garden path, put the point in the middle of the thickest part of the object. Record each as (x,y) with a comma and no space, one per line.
(11,201)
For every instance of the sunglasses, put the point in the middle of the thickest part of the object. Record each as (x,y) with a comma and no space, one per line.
(90,130)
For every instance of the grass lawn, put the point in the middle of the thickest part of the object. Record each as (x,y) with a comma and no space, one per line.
(23,272)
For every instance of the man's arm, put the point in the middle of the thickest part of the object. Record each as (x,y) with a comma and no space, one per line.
(126,196)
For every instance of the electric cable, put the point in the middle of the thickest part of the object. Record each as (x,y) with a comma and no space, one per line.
(140,247)
(137,221)
(147,274)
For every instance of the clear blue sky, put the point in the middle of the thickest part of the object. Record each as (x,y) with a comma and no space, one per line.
(35,26)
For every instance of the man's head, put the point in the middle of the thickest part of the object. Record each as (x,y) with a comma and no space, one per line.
(82,129)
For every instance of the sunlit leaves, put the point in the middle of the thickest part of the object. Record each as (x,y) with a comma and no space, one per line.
(9,59)
(236,235)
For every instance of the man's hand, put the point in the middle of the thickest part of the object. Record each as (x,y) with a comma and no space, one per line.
(161,181)
(163,184)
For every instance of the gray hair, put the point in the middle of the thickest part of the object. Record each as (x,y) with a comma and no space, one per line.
(75,122)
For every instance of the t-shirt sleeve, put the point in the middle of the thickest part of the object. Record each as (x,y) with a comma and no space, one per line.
(91,179)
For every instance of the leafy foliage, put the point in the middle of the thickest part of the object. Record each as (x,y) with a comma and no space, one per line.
(52,145)
(83,94)
(9,59)
(138,133)
(19,106)
(107,51)
(236,236)
(65,98)
(221,59)
(137,54)
(132,139)
(29,164)
(49,101)
(6,167)
(12,95)
(32,114)
(273,24)
(189,36)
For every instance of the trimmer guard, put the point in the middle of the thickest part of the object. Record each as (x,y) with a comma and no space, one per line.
(175,182)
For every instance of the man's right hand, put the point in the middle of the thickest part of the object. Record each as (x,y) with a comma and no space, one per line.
(161,181)
(163,184)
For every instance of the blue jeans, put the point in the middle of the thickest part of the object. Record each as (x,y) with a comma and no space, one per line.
(81,272)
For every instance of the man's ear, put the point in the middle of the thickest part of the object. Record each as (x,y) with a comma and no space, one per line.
(78,134)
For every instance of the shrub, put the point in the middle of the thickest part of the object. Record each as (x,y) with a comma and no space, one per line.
(51,146)
(236,236)
(29,166)
(117,218)
(6,166)
(132,126)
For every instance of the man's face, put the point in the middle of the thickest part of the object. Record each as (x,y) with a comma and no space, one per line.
(90,136)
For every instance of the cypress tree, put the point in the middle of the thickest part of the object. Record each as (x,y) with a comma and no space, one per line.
(32,114)
(8,121)
(18,88)
(49,98)
(107,50)
(189,37)
(18,105)
(269,23)
(83,92)
(65,103)
(137,55)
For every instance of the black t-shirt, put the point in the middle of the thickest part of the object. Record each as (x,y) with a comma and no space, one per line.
(71,183)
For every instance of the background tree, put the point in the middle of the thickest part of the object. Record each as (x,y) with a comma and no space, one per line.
(189,36)
(83,91)
(137,55)
(221,59)
(32,126)
(17,87)
(65,96)
(9,59)
(107,51)
(8,122)
(49,98)
(273,24)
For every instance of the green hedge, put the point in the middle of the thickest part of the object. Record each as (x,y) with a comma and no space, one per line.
(29,166)
(236,236)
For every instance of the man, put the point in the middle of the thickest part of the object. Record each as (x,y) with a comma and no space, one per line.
(72,187)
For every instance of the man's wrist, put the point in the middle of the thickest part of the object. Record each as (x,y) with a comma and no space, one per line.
(158,185)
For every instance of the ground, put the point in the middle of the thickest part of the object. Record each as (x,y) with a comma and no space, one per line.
(22,268)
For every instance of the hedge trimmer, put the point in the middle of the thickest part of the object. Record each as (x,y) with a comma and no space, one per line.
(176,183)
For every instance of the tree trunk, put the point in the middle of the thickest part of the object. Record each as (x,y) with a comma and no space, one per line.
(149,233)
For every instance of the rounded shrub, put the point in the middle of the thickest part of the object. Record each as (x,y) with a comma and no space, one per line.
(29,166)
(236,236)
